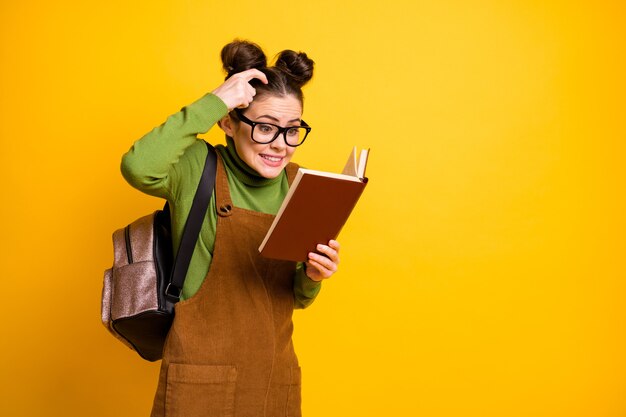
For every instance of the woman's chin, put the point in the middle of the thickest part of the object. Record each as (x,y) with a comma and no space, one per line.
(270,173)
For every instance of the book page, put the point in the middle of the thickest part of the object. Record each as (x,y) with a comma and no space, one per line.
(344,177)
(363,163)
(351,165)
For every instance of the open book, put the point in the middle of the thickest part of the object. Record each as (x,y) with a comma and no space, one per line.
(315,209)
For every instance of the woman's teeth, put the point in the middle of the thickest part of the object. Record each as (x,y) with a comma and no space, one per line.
(271,158)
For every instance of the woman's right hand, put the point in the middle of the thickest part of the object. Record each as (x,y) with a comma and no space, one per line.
(236,92)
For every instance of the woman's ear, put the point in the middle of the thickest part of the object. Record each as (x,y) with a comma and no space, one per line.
(226,124)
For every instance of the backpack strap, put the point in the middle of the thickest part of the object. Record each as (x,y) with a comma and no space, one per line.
(192,226)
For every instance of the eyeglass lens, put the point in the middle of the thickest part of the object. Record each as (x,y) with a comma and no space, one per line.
(266,133)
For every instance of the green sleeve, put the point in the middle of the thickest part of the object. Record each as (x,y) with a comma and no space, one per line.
(148,164)
(304,288)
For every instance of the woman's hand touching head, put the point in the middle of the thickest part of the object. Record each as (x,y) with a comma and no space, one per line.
(236,92)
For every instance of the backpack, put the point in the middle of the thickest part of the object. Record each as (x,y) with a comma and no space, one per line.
(145,282)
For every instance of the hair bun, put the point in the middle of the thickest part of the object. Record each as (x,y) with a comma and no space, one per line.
(296,65)
(241,55)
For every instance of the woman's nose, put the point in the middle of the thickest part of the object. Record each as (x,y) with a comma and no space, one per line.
(279,143)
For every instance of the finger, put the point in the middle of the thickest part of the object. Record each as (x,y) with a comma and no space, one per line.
(254,73)
(330,252)
(246,100)
(313,272)
(250,90)
(315,268)
(324,261)
(321,269)
(334,244)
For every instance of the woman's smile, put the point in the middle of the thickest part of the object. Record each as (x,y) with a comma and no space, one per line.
(272,160)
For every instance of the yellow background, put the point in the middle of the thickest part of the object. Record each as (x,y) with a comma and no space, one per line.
(482,272)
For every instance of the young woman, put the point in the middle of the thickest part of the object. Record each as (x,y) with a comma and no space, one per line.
(229,351)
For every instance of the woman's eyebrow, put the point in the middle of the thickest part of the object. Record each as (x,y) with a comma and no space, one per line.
(276,120)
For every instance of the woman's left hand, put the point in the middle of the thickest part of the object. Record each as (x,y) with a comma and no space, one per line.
(320,267)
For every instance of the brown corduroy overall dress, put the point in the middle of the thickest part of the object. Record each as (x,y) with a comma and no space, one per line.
(229,351)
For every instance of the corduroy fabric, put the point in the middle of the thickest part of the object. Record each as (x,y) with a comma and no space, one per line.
(229,351)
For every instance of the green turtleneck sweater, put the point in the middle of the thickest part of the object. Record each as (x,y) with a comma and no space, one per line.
(167,162)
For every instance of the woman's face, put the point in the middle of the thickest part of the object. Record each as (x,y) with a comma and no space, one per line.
(267,159)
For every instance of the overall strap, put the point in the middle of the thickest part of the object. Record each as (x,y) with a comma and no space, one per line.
(292,170)
(223,202)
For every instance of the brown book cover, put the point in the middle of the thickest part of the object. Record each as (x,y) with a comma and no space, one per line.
(314,211)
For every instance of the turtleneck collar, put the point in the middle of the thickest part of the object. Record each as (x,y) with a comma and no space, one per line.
(241,170)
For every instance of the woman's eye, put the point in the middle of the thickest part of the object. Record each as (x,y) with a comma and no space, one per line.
(293,131)
(265,128)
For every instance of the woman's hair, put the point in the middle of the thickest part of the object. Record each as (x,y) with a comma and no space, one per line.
(291,71)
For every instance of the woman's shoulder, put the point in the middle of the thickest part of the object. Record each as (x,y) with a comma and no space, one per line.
(189,168)
(193,157)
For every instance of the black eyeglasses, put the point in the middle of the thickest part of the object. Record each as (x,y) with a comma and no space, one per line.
(267,132)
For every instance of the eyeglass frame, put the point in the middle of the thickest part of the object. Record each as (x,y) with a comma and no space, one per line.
(281,129)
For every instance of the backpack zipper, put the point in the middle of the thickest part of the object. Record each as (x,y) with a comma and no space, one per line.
(129,252)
